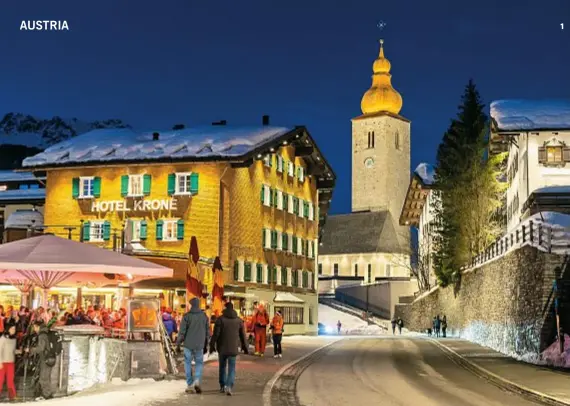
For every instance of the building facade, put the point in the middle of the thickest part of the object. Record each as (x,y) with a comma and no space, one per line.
(419,211)
(251,196)
(536,135)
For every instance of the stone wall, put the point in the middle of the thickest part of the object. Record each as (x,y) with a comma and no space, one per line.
(506,305)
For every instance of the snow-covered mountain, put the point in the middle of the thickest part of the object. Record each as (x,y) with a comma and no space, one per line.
(29,131)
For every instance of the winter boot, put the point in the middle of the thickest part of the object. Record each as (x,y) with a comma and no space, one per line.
(189,389)
(197,387)
(228,391)
(222,389)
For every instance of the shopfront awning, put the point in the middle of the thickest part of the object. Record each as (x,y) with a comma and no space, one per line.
(287,297)
(240,295)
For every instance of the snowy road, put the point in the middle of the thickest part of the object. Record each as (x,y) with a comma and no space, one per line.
(395,372)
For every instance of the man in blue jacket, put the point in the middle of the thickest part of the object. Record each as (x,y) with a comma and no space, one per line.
(194,333)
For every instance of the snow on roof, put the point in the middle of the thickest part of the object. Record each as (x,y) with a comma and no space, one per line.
(127,145)
(528,115)
(22,194)
(12,176)
(553,189)
(553,218)
(426,172)
(287,297)
(24,219)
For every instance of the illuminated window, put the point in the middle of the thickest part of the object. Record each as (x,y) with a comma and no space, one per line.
(3,188)
(135,185)
(183,183)
(553,155)
(170,230)
(96,231)
(290,169)
(86,186)
(291,315)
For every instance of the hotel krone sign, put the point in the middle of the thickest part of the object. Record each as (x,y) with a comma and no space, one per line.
(133,205)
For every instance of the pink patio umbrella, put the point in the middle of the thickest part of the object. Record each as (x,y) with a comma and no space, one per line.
(48,261)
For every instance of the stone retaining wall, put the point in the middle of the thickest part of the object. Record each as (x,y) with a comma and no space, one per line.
(506,304)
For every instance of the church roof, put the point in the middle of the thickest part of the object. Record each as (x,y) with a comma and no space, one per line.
(360,233)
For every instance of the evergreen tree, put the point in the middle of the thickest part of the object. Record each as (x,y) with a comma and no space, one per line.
(468,189)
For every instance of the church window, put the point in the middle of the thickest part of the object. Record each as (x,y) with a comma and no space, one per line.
(356,270)
(335,269)
(553,154)
(320,269)
(370,139)
(397,140)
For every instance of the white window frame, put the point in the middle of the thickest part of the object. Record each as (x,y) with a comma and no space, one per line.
(177,190)
(266,196)
(310,275)
(301,173)
(290,209)
(290,243)
(95,237)
(302,213)
(267,242)
(279,240)
(165,225)
(267,160)
(311,211)
(290,169)
(130,188)
(136,230)
(279,199)
(299,246)
(310,250)
(280,162)
(82,180)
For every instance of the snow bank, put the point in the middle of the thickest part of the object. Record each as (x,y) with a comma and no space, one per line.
(527,115)
(111,145)
(351,325)
(552,218)
(426,172)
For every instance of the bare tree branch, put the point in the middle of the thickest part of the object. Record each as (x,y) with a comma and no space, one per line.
(417,260)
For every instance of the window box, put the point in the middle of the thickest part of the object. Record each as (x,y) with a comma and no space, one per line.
(170,230)
(183,184)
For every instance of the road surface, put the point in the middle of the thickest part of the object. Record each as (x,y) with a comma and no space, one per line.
(396,371)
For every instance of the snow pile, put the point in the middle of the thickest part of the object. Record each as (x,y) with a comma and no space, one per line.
(426,172)
(109,145)
(119,393)
(351,325)
(552,218)
(528,115)
(24,219)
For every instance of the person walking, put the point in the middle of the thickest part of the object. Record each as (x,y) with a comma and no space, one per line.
(400,325)
(338,327)
(229,335)
(394,322)
(41,351)
(437,325)
(8,358)
(444,326)
(194,333)
(277,334)
(261,321)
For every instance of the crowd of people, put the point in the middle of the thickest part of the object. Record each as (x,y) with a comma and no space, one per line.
(227,338)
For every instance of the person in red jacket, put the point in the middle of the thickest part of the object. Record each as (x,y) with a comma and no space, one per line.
(261,320)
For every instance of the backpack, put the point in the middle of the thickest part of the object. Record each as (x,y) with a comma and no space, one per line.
(55,347)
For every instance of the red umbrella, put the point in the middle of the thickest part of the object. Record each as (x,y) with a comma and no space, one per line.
(218,289)
(193,284)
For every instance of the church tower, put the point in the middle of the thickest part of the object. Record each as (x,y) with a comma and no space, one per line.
(380,147)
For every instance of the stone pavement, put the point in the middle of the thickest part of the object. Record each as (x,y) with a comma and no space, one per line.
(541,383)
(253,373)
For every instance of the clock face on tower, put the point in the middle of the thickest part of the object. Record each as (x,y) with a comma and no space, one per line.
(369,162)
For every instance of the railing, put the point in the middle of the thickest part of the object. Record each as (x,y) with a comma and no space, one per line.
(546,237)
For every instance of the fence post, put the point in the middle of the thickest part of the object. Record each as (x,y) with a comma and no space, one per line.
(531,232)
(523,233)
(115,240)
(81,231)
(540,234)
(517,234)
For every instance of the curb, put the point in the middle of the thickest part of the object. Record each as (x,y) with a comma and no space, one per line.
(498,380)
(266,397)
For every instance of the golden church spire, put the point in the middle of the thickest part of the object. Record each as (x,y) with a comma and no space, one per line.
(381,97)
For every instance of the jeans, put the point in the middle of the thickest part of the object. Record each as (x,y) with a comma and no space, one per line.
(228,361)
(198,357)
(7,374)
(277,344)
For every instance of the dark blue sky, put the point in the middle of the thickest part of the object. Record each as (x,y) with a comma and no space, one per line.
(157,63)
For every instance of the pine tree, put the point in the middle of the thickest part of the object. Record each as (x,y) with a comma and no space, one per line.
(468,189)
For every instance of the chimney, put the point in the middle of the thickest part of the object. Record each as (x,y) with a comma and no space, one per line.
(221,122)
(265,120)
(155,136)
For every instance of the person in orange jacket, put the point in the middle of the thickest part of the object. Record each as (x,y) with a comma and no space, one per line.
(261,320)
(277,334)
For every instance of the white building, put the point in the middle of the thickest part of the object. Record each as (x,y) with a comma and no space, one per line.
(536,135)
(418,211)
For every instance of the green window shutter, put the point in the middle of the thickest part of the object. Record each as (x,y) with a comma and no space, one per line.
(294,276)
(171,184)
(270,160)
(305,279)
(259,273)
(86,231)
(194,183)
(262,194)
(268,274)
(295,205)
(263,238)
(124,185)
(96,186)
(273,239)
(276,195)
(284,240)
(274,276)
(294,245)
(75,188)
(306,209)
(143,230)
(247,272)
(106,231)
(285,201)
(236,270)
(284,276)
(180,229)
(159,227)
(146,184)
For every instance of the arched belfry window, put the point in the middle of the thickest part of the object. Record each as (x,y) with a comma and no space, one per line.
(370,139)
(397,140)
